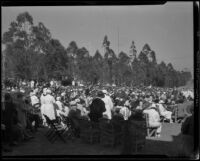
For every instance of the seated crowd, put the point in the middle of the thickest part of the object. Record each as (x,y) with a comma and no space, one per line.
(23,110)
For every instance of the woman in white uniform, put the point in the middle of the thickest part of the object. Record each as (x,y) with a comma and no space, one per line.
(48,106)
(42,105)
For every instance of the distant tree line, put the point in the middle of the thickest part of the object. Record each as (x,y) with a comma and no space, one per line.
(32,53)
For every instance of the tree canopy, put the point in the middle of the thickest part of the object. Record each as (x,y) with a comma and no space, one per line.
(32,53)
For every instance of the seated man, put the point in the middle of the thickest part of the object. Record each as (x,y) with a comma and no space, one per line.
(154,118)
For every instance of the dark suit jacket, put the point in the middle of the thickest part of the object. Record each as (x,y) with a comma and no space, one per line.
(96,109)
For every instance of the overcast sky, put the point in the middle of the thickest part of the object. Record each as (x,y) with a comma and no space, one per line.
(168,29)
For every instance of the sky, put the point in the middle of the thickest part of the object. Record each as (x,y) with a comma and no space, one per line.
(168,29)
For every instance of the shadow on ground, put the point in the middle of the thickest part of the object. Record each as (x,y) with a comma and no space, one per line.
(169,144)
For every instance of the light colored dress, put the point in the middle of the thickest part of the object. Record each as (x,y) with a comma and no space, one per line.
(42,107)
(108,105)
(164,112)
(154,119)
(48,106)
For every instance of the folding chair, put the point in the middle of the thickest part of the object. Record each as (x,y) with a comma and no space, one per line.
(118,130)
(109,133)
(70,133)
(175,113)
(138,135)
(89,131)
(151,131)
(55,131)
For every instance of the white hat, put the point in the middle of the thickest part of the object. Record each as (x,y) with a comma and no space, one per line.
(63,94)
(105,91)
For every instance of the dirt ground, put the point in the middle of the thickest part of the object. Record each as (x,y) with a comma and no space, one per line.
(168,144)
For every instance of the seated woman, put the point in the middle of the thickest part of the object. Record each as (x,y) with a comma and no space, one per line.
(62,109)
(154,118)
(163,112)
(82,107)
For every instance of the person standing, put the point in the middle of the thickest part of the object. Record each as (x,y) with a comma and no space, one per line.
(97,108)
(108,104)
(49,102)
(42,105)
(35,103)
(32,83)
(22,115)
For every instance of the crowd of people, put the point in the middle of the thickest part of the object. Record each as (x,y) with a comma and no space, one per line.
(25,104)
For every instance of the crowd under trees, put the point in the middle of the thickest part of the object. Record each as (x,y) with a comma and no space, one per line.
(32,53)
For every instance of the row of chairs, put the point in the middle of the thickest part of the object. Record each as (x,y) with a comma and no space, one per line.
(114,132)
(175,113)
(106,132)
(55,130)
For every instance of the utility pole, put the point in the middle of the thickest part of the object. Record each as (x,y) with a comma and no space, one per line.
(118,39)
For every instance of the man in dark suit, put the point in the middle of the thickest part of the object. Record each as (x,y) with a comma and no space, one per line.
(97,108)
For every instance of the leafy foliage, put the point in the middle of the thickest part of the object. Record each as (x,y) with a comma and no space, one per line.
(32,53)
